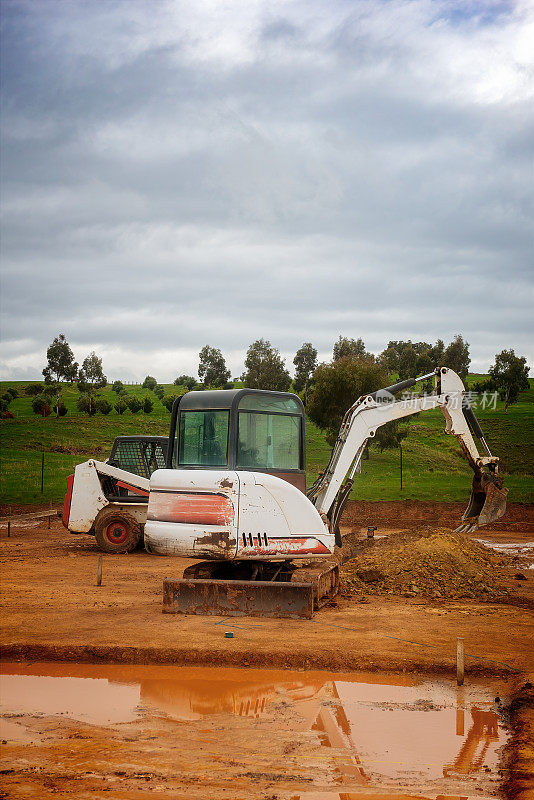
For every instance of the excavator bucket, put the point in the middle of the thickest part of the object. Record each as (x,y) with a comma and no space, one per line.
(486,504)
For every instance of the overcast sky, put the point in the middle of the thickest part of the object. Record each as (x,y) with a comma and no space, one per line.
(215,171)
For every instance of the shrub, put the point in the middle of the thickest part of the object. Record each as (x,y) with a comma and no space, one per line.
(61,410)
(185,380)
(149,382)
(3,405)
(159,391)
(168,401)
(118,387)
(13,392)
(120,406)
(134,404)
(40,406)
(103,406)
(33,389)
(7,398)
(148,404)
(5,414)
(85,405)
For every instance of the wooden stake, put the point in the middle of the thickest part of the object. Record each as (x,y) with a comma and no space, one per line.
(8,529)
(99,572)
(460,661)
(49,515)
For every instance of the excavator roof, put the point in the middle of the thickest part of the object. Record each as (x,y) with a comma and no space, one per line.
(231,398)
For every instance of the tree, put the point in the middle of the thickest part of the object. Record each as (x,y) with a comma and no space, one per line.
(103,406)
(41,406)
(349,347)
(150,383)
(185,380)
(212,369)
(33,389)
(456,356)
(120,405)
(86,405)
(62,410)
(265,368)
(436,353)
(390,435)
(509,375)
(91,377)
(337,386)
(148,404)
(305,362)
(133,403)
(407,362)
(168,401)
(118,387)
(61,365)
(409,359)
(159,391)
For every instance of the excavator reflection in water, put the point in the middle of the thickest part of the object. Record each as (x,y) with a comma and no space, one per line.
(343,714)
(372,731)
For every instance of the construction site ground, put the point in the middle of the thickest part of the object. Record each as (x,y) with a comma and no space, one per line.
(52,609)
(250,734)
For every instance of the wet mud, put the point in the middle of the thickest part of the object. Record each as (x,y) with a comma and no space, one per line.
(139,732)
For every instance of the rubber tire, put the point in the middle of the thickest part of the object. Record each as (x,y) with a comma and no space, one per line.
(123,520)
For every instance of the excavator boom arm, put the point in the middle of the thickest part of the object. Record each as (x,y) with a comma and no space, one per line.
(369,413)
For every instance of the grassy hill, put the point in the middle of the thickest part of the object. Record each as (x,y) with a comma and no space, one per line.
(433,468)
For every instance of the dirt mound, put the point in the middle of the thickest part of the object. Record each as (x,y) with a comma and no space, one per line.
(429,563)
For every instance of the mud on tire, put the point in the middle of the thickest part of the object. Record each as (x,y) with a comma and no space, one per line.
(117,531)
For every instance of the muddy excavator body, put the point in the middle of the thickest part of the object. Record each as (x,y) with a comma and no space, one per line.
(233,491)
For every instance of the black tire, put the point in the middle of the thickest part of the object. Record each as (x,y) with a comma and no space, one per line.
(117,532)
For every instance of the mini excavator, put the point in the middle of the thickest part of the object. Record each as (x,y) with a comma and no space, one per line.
(233,493)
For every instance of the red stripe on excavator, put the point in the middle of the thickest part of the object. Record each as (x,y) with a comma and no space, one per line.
(67,501)
(191,508)
(134,489)
(307,545)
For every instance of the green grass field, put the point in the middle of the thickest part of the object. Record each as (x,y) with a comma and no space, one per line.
(433,468)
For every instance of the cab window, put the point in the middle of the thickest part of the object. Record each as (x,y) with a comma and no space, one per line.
(203,439)
(268,441)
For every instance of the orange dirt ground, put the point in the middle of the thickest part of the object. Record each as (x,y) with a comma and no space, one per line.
(52,610)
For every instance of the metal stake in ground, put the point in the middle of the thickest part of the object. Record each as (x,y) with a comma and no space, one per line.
(99,572)
(460,661)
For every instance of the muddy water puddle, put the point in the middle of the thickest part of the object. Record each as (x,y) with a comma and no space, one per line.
(116,731)
(521,553)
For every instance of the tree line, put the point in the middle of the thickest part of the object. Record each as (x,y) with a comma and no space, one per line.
(327,389)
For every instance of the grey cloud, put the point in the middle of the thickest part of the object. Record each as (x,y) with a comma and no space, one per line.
(295,175)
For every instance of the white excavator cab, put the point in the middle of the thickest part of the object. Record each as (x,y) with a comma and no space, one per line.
(240,429)
(235,483)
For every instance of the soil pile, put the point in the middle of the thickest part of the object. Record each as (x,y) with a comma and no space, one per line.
(429,563)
